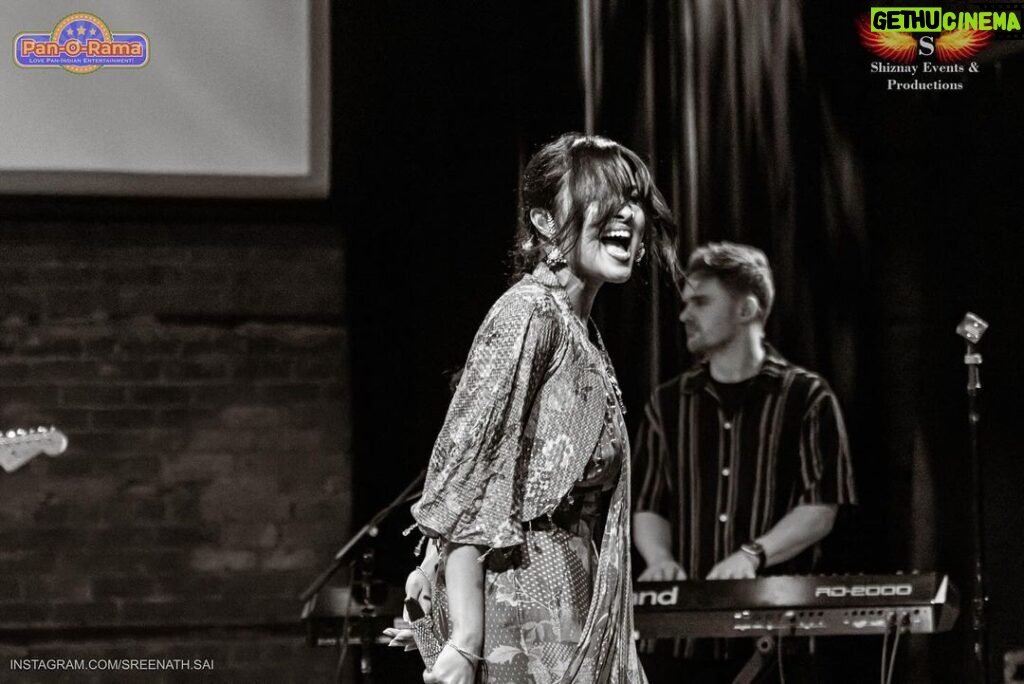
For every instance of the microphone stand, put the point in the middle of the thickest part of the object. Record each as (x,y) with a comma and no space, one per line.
(369,528)
(972,328)
(365,581)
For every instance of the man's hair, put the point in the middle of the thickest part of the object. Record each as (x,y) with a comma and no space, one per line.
(742,269)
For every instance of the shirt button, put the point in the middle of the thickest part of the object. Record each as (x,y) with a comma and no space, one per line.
(725,472)
(723,517)
(727,425)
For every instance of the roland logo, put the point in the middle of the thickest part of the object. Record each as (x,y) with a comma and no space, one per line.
(864,590)
(668,597)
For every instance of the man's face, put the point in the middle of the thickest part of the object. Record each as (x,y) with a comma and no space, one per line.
(711,315)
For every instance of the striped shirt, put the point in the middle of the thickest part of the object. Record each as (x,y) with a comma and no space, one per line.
(722,479)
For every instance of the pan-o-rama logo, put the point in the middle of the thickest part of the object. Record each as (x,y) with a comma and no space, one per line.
(81,43)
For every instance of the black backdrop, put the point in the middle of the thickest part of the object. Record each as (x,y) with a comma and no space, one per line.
(437,106)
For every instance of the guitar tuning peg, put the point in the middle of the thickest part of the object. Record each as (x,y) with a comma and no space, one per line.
(11,433)
(21,432)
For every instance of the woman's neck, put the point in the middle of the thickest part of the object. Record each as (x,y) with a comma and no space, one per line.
(581,293)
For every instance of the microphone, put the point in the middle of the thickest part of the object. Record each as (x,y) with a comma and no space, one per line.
(972,328)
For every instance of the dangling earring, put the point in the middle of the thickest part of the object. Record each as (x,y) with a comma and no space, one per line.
(640,254)
(555,258)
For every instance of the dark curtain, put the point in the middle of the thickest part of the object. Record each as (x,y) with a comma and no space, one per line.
(730,100)
(718,94)
(884,218)
(723,98)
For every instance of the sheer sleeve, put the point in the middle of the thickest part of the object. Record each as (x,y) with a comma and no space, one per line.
(473,490)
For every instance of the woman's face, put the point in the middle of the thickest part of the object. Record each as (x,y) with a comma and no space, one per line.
(606,252)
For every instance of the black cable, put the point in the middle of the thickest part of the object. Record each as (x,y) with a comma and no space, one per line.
(885,649)
(778,653)
(892,658)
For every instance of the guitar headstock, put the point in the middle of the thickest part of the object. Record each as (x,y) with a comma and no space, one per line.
(18,447)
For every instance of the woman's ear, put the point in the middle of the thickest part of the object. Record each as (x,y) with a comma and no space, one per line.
(543,222)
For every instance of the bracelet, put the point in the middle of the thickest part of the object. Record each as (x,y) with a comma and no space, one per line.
(471,657)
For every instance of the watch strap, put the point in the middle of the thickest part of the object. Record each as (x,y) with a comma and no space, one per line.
(756,551)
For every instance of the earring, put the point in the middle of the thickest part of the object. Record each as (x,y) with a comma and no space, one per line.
(640,254)
(555,258)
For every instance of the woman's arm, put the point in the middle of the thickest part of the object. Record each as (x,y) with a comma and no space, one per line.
(464,579)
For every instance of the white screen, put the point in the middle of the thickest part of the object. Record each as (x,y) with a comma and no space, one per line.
(233,102)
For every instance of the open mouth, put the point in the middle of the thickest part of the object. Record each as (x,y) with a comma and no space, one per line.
(617,241)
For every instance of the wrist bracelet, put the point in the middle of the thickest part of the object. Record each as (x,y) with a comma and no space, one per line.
(424,573)
(471,657)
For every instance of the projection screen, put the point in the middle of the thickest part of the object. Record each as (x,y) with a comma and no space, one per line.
(233,99)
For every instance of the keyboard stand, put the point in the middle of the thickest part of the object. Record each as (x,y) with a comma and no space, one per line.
(759,662)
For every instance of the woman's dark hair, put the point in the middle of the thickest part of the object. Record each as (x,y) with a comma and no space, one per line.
(569,174)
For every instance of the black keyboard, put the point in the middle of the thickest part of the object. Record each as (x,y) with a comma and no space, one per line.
(796,605)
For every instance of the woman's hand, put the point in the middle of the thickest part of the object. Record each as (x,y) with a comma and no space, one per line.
(417,587)
(451,667)
(400,638)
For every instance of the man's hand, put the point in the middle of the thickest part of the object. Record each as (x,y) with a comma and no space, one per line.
(662,571)
(652,535)
(738,565)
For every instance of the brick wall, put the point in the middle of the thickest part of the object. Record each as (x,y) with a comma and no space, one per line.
(203,390)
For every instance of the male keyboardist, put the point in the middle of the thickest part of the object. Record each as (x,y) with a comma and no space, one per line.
(741,462)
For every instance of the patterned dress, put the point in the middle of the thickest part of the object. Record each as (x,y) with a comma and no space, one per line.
(531,455)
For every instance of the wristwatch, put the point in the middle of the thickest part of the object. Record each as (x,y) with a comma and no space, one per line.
(756,551)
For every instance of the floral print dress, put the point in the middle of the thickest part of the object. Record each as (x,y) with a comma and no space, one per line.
(531,459)
(536,599)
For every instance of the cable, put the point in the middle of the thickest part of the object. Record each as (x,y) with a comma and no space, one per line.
(885,652)
(778,652)
(895,647)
